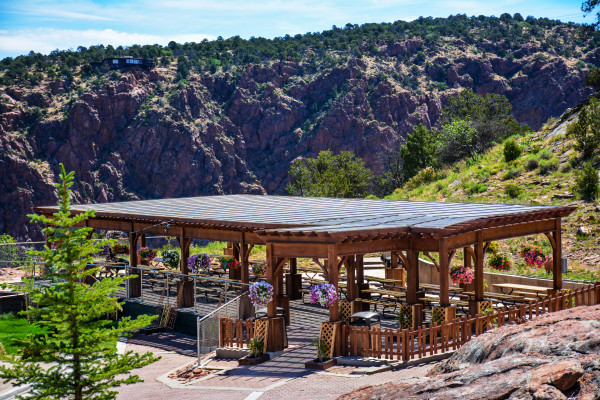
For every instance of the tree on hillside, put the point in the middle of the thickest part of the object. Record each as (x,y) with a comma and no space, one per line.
(586,130)
(76,357)
(343,175)
(457,141)
(420,151)
(490,116)
(587,7)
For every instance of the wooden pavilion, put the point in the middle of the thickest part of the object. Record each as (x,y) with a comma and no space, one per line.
(338,231)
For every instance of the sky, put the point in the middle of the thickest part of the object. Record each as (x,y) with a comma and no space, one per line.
(46,25)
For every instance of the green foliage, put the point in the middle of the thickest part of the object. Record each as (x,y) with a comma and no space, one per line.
(6,238)
(587,183)
(477,188)
(13,330)
(512,190)
(531,163)
(171,258)
(419,151)
(343,175)
(493,248)
(257,347)
(424,177)
(457,141)
(586,130)
(547,166)
(593,78)
(322,349)
(490,117)
(79,349)
(510,173)
(512,150)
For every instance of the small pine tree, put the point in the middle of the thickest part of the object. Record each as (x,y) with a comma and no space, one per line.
(588,182)
(76,357)
(419,152)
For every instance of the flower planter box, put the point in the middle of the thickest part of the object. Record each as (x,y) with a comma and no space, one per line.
(248,360)
(315,364)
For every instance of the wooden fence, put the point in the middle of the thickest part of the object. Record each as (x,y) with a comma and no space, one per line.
(235,332)
(406,345)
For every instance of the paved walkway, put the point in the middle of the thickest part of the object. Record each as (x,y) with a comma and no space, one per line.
(282,377)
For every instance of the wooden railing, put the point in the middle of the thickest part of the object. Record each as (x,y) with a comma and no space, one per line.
(235,332)
(406,345)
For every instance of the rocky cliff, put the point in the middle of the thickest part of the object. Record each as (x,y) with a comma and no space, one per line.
(146,135)
(556,356)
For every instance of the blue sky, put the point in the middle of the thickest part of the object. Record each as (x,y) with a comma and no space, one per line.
(45,25)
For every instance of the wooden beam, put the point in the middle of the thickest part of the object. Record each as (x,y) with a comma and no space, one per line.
(433,260)
(518,230)
(360,269)
(272,279)
(299,250)
(371,246)
(444,277)
(351,278)
(244,254)
(403,258)
(412,272)
(323,268)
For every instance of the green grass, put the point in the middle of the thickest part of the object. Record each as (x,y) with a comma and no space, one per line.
(12,329)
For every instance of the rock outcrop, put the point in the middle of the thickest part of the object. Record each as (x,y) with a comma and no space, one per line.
(143,136)
(556,356)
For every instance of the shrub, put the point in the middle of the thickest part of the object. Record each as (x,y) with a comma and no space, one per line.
(477,188)
(587,182)
(493,248)
(512,150)
(547,166)
(513,191)
(424,177)
(511,173)
(531,164)
(500,262)
(586,130)
(545,154)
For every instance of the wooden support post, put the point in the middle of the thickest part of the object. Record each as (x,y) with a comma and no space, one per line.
(557,256)
(135,284)
(186,286)
(479,255)
(360,269)
(443,263)
(412,272)
(293,281)
(351,278)
(142,240)
(244,265)
(272,279)
(236,273)
(332,266)
(467,264)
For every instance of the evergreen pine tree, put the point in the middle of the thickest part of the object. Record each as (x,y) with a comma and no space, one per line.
(76,357)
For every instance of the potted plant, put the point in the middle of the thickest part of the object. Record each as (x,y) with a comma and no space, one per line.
(533,256)
(322,361)
(261,293)
(199,262)
(171,258)
(257,354)
(259,270)
(461,275)
(229,262)
(324,294)
(145,255)
(500,262)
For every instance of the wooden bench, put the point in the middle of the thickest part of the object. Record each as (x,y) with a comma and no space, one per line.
(383,303)
(208,291)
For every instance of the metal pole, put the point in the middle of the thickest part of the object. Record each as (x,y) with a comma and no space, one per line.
(195,302)
(141,284)
(168,290)
(127,296)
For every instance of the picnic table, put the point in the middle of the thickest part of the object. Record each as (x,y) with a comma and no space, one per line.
(436,288)
(505,299)
(391,300)
(385,282)
(525,290)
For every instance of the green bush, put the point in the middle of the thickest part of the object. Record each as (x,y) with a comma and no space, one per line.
(512,190)
(547,166)
(512,150)
(424,177)
(531,164)
(511,173)
(587,183)
(545,154)
(477,188)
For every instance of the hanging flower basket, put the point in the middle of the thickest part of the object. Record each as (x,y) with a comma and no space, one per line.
(171,258)
(120,248)
(146,254)
(229,262)
(261,293)
(199,262)
(533,256)
(462,275)
(500,262)
(324,294)
(259,270)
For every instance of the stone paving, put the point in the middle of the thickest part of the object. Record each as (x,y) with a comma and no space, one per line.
(282,377)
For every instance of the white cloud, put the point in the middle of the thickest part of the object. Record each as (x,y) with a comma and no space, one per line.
(44,40)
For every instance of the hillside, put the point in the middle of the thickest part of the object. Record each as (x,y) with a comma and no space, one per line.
(229,116)
(544,174)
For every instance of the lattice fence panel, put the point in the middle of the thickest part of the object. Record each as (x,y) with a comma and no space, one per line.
(406,316)
(327,335)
